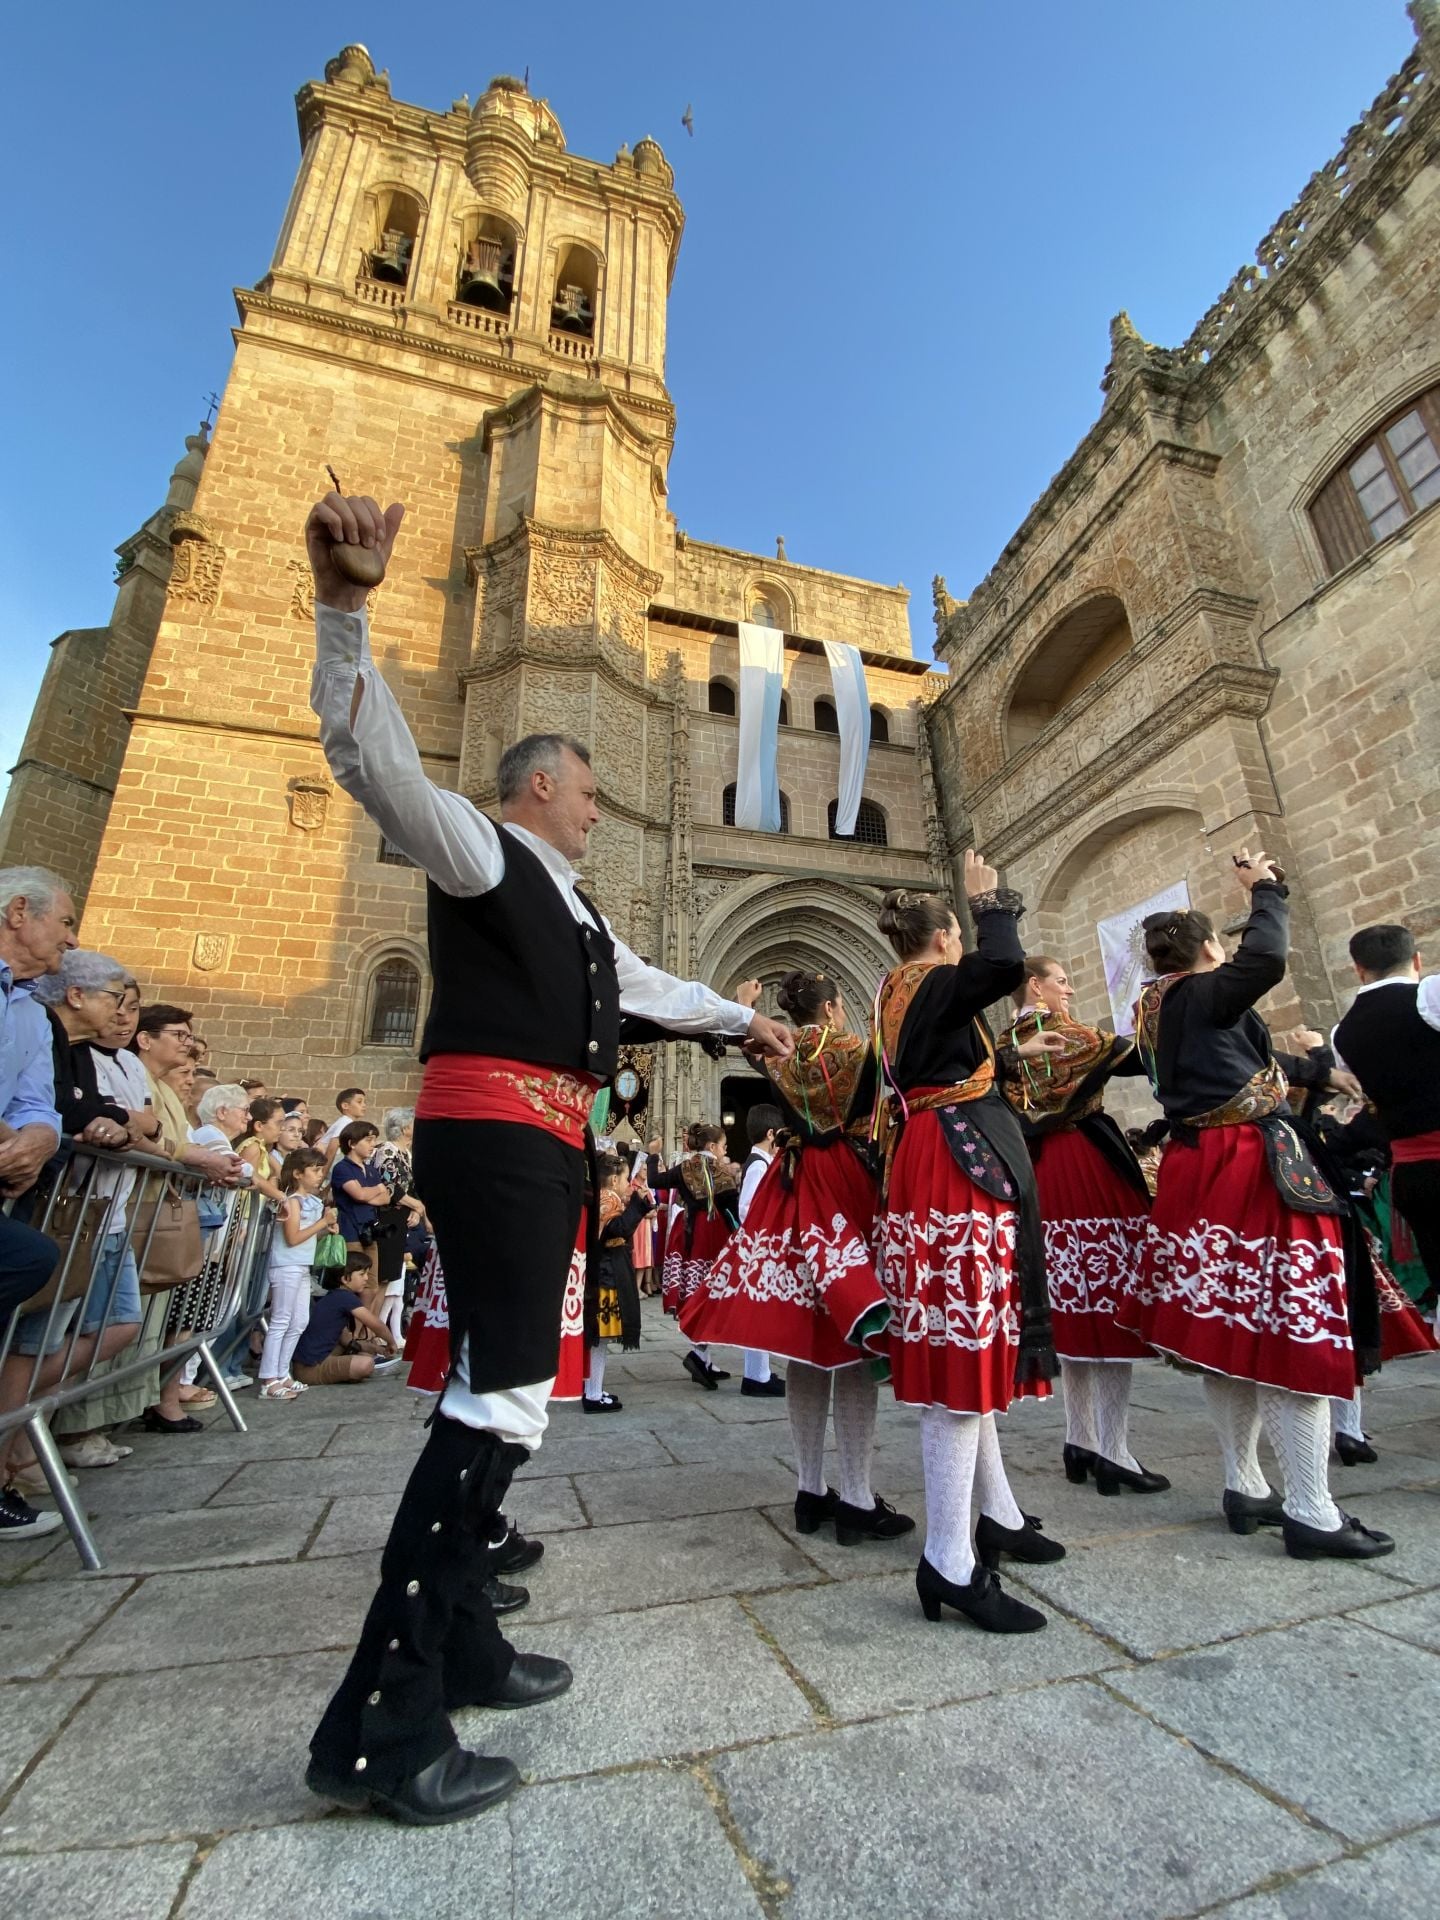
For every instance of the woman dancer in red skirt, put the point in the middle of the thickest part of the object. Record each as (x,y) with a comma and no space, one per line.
(708,1183)
(799,1277)
(1243,1270)
(1094,1204)
(962,1259)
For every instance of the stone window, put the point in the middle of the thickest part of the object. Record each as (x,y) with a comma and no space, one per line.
(1381,484)
(721,698)
(784,709)
(577,283)
(392,856)
(728,808)
(826,718)
(394,1005)
(880,726)
(765,613)
(486,276)
(396,217)
(869,824)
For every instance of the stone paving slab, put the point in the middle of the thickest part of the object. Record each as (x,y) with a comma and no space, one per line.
(356,1526)
(30,1714)
(145,1761)
(261,1482)
(265,1438)
(131,1488)
(667,1493)
(1412,1519)
(194,1619)
(356,1439)
(706,1442)
(871,1556)
(33,1637)
(941,1813)
(614,1569)
(1155,1593)
(867,1649)
(1329,1715)
(134,1883)
(208,1537)
(1416,1620)
(671,1680)
(1395,1881)
(607,1448)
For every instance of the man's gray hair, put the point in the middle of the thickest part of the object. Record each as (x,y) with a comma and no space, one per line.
(215,1098)
(36,886)
(84,968)
(536,753)
(395,1121)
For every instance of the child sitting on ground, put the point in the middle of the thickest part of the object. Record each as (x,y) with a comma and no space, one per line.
(328,1352)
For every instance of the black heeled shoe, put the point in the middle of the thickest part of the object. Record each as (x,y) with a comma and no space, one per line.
(983,1601)
(813,1509)
(700,1373)
(1079,1464)
(607,1403)
(1025,1542)
(1349,1541)
(1353,1452)
(1245,1512)
(1110,1478)
(882,1522)
(454,1787)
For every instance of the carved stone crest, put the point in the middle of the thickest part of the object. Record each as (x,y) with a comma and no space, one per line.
(211,951)
(302,591)
(309,799)
(197,561)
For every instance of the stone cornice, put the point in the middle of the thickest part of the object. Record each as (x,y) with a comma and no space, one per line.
(1226,688)
(560,394)
(639,692)
(595,543)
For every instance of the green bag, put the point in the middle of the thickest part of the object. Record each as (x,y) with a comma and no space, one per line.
(330,1250)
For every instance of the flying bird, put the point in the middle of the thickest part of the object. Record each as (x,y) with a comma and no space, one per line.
(687,120)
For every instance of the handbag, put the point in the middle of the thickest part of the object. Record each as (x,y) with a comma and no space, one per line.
(211,1209)
(76,1226)
(330,1250)
(176,1250)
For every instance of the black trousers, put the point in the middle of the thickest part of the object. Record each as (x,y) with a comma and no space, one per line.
(430,1643)
(1415,1190)
(27,1260)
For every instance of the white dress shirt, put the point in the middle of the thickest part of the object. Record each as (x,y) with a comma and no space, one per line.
(758,1163)
(1427,1001)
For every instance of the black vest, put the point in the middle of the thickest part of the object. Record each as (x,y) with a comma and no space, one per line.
(516,975)
(1395,1055)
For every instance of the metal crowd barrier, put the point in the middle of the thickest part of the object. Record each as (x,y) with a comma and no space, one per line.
(81,1202)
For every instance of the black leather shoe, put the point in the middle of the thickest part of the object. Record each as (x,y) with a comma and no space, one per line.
(518,1553)
(504,1599)
(454,1787)
(1349,1541)
(771,1389)
(1079,1464)
(1244,1512)
(882,1522)
(1353,1452)
(1025,1542)
(983,1600)
(717,1374)
(702,1375)
(607,1403)
(1110,1478)
(533,1677)
(811,1509)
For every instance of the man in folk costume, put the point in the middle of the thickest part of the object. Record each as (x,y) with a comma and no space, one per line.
(1094,1206)
(529,984)
(962,1256)
(1243,1273)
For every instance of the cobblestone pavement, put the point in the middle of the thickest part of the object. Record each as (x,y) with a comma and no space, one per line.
(760,1724)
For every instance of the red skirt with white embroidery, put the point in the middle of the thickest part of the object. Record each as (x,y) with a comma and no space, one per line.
(427,1344)
(1095,1225)
(947,1263)
(695,1244)
(799,1278)
(1234,1280)
(1403,1328)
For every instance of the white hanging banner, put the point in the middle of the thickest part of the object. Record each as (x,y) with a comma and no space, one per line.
(852,711)
(1122,951)
(757,776)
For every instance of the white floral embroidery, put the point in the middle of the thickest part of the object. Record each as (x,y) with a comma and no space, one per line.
(1091,1264)
(767,1267)
(1288,1289)
(572,1310)
(949,1278)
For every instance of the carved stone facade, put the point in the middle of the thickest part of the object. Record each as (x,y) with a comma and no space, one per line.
(1162,664)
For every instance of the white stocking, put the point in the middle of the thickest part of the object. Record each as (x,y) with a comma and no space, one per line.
(948,1446)
(1346,1415)
(596,1384)
(856,1400)
(807,1401)
(702,1353)
(1078,1377)
(992,1488)
(1236,1413)
(1297,1425)
(757,1364)
(1112,1413)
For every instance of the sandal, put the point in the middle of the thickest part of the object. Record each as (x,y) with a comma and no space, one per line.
(298,1386)
(278,1390)
(200,1397)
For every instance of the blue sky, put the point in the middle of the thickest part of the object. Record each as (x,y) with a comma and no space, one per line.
(907,229)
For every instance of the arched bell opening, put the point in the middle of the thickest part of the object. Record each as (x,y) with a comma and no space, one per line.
(577,284)
(487,264)
(396,230)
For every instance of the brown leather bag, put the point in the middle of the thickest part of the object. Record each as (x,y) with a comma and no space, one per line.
(76,1225)
(176,1250)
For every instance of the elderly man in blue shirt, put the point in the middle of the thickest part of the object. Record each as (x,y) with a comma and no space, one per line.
(37,929)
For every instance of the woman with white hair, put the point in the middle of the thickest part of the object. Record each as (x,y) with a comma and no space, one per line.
(394,1170)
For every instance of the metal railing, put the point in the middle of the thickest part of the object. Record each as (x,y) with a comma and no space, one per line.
(100,1207)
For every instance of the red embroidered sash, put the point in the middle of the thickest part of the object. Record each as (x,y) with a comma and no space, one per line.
(478,1086)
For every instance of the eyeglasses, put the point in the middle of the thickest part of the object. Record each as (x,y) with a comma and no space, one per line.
(111,994)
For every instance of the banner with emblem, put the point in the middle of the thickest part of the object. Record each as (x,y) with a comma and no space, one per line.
(1122,950)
